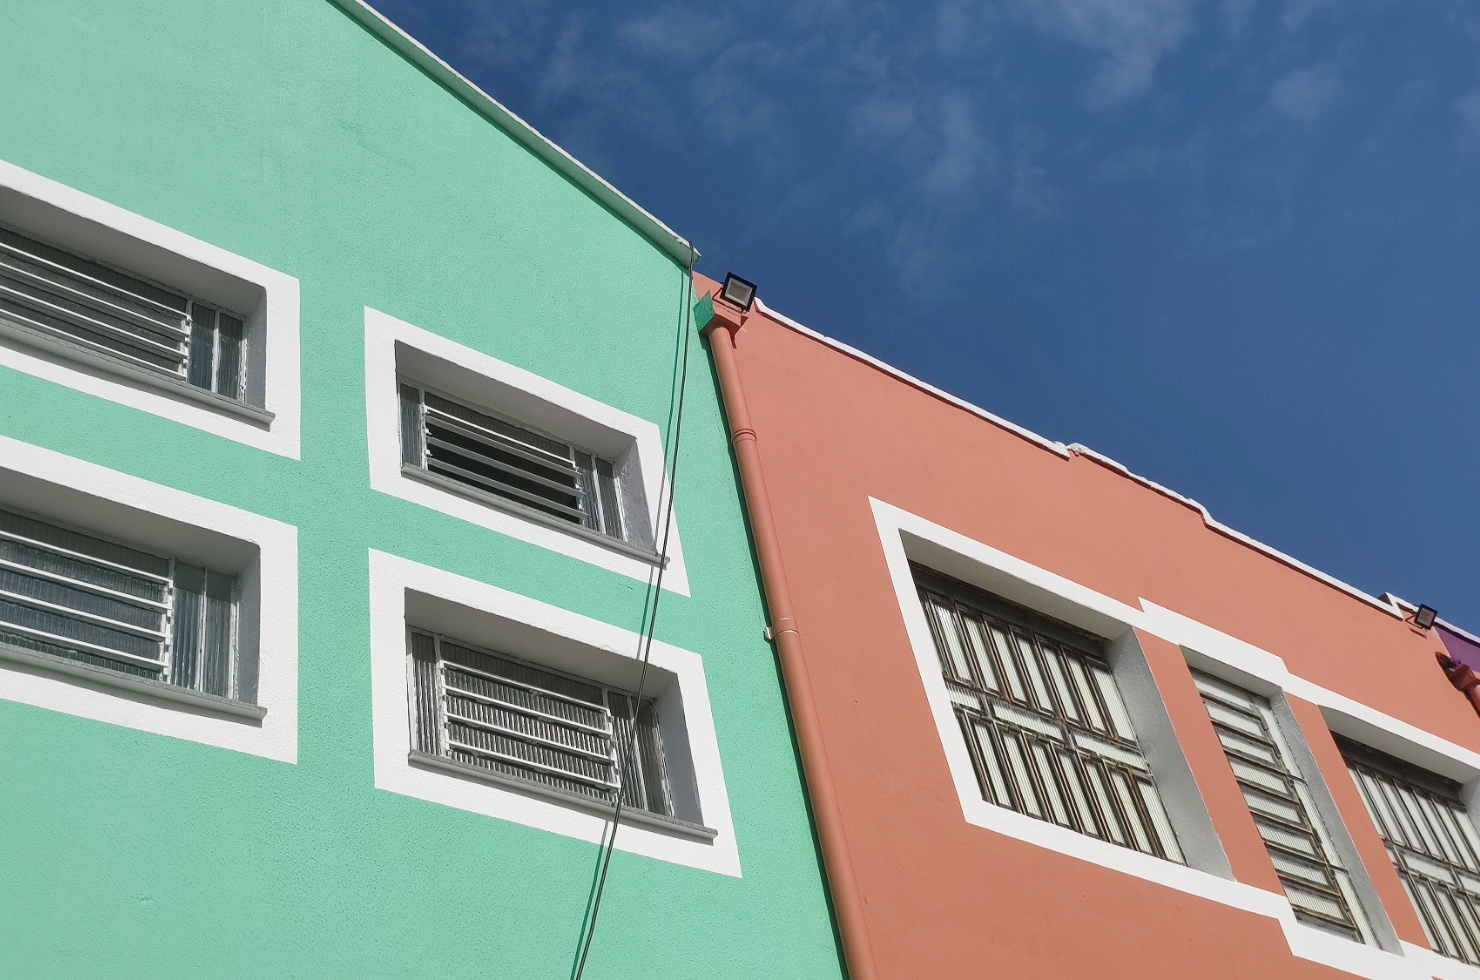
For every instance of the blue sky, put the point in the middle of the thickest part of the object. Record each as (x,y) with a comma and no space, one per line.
(1231,244)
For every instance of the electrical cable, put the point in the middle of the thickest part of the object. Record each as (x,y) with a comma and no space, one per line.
(650,601)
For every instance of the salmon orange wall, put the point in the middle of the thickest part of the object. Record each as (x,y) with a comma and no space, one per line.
(946,898)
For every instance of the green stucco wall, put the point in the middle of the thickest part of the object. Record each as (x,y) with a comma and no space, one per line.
(285,132)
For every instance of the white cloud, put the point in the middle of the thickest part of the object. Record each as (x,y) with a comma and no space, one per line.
(1306,93)
(1468,107)
(1297,12)
(1131,36)
(675,33)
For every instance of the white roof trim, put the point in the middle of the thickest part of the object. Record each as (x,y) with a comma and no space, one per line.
(1078,449)
(582,176)
(1057,447)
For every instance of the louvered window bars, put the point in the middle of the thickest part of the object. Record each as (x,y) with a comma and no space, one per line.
(1298,841)
(54,295)
(545,730)
(1432,842)
(1043,719)
(508,464)
(67,596)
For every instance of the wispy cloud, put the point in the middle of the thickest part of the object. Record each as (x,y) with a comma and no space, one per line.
(1468,107)
(677,33)
(1306,93)
(1131,38)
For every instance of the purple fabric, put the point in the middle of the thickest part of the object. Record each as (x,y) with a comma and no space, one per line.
(1461,650)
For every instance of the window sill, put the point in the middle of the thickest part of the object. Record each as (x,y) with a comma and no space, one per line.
(529,513)
(143,376)
(643,818)
(157,689)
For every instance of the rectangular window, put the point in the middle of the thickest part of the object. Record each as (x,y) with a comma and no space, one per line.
(516,720)
(509,463)
(1432,843)
(69,595)
(57,295)
(1043,719)
(1305,858)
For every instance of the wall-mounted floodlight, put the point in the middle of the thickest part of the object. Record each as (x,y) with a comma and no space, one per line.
(1425,617)
(739,292)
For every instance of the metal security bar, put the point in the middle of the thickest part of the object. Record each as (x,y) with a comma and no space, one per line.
(1309,867)
(1043,719)
(529,723)
(1432,842)
(54,293)
(493,456)
(72,595)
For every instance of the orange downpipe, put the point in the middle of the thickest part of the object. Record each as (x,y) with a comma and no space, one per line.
(847,902)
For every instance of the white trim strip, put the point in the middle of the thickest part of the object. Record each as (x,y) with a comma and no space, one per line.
(1076,448)
(1209,644)
(601,647)
(578,173)
(275,626)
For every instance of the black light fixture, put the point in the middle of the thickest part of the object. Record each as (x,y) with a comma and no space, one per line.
(1425,617)
(739,292)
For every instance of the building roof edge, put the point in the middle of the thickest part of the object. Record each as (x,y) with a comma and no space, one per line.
(1078,449)
(676,246)
(909,379)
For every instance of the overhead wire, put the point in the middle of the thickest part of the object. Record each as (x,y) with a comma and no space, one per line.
(652,595)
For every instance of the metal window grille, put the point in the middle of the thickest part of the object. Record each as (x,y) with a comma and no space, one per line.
(59,295)
(1307,862)
(69,594)
(1043,719)
(496,457)
(529,723)
(1432,842)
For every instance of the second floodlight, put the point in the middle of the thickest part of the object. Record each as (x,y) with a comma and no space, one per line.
(738,292)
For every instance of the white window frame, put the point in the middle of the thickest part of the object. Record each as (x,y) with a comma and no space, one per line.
(528,399)
(44,209)
(906,536)
(563,640)
(112,504)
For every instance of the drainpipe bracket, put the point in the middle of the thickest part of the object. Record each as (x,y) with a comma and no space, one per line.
(712,312)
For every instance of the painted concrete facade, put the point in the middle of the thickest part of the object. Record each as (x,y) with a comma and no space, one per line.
(887,472)
(371,208)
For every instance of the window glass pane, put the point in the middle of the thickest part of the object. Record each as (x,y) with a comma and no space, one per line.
(1029,660)
(1060,676)
(950,636)
(1049,780)
(1113,704)
(537,726)
(981,650)
(411,427)
(215,667)
(228,371)
(1018,764)
(1047,730)
(1009,665)
(190,589)
(1300,847)
(1087,695)
(611,508)
(202,359)
(69,594)
(590,501)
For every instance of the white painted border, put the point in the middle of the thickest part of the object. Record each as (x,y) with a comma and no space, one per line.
(1076,448)
(282,394)
(391,577)
(382,412)
(1304,941)
(277,686)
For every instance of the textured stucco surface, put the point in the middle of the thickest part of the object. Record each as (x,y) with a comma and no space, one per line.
(283,131)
